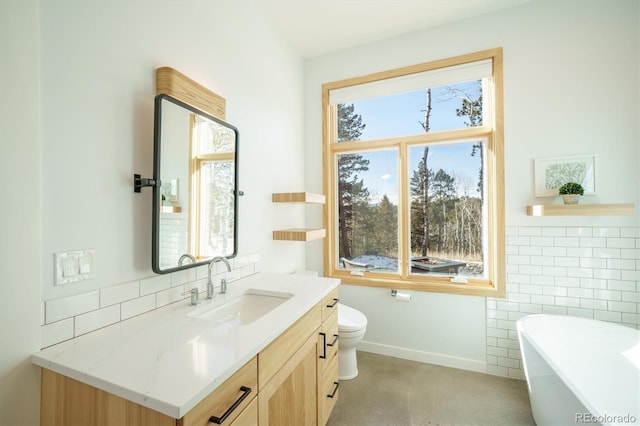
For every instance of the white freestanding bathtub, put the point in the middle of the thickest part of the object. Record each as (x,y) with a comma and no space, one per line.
(580,371)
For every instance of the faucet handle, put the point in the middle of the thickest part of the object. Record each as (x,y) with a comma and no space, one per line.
(194,296)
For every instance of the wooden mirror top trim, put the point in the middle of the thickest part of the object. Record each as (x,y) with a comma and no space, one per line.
(174,83)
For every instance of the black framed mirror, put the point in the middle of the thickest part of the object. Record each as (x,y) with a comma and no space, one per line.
(195,196)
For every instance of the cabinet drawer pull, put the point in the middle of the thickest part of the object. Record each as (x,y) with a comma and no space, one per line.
(335,302)
(333,342)
(334,390)
(324,346)
(218,420)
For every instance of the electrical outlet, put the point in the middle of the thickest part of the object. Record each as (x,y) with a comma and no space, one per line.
(74,266)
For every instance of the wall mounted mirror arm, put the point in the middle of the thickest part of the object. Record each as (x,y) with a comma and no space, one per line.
(140,182)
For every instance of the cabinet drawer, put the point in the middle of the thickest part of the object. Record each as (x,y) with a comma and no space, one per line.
(330,304)
(328,392)
(237,391)
(328,343)
(273,357)
(249,417)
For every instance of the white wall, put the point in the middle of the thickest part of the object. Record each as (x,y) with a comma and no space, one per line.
(98,61)
(20,213)
(571,87)
(77,122)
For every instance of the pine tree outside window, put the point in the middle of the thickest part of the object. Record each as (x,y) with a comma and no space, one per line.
(414,177)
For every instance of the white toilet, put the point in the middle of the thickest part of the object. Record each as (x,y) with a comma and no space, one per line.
(352,324)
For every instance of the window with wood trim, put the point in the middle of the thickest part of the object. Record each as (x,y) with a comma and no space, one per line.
(212,185)
(413,177)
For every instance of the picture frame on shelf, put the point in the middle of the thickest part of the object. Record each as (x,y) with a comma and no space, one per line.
(169,188)
(551,173)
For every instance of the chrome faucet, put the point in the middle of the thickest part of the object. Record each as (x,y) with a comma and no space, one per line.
(194,296)
(223,282)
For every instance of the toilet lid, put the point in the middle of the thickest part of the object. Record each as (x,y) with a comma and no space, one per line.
(350,319)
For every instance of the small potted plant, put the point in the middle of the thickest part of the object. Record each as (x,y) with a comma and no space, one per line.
(571,192)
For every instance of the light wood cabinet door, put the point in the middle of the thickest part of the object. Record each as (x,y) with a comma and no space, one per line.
(272,358)
(290,397)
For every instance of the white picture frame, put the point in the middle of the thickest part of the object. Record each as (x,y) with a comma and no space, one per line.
(552,172)
(169,188)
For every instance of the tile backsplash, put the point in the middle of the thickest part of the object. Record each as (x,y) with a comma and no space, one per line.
(590,272)
(69,317)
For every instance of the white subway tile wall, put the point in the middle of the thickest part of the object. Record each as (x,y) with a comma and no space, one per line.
(69,317)
(173,238)
(58,309)
(591,272)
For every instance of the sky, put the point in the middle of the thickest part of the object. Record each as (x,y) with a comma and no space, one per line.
(400,115)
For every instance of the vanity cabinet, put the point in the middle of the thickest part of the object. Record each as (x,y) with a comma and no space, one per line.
(293,381)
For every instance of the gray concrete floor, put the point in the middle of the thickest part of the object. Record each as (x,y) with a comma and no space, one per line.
(393,391)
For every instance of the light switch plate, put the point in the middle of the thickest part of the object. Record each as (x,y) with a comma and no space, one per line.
(69,266)
(74,266)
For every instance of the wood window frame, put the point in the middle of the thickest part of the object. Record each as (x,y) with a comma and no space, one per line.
(196,163)
(492,131)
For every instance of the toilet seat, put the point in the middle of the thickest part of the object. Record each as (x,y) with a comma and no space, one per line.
(350,320)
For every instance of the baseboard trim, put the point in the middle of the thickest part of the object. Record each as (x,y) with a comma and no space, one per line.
(421,356)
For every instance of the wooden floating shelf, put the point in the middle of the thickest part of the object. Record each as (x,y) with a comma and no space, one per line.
(170,209)
(297,197)
(299,234)
(580,210)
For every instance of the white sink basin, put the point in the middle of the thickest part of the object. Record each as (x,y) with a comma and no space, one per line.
(243,309)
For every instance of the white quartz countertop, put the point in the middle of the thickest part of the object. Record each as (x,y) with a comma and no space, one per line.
(169,361)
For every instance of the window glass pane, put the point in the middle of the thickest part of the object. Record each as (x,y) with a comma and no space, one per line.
(212,137)
(450,107)
(216,208)
(367,201)
(447,217)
